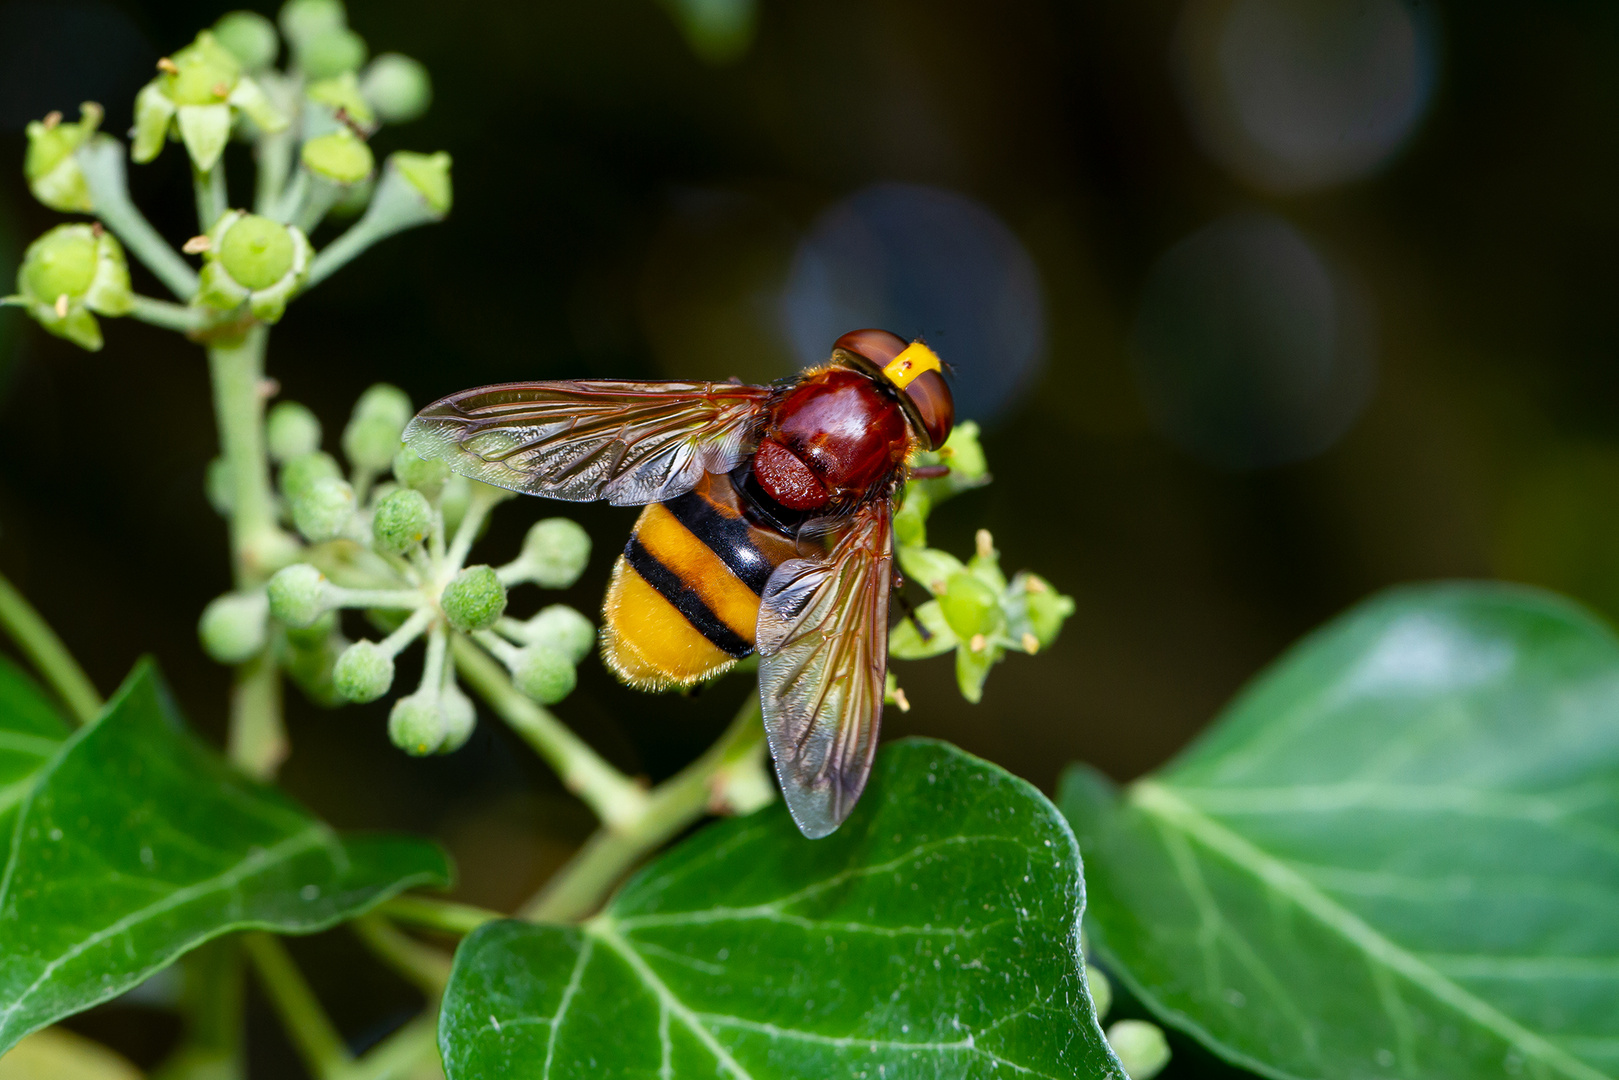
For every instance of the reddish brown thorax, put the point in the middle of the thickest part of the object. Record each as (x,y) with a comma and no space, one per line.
(832,438)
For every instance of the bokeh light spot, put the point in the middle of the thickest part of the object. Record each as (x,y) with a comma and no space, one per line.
(1299,94)
(1250,348)
(923,262)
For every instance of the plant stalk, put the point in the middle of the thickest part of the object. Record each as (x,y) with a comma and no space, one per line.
(312,1031)
(445,916)
(581,886)
(102,162)
(49,656)
(423,965)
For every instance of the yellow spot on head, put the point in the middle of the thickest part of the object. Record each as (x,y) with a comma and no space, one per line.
(912,362)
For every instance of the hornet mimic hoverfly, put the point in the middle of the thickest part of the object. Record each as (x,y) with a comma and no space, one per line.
(767,527)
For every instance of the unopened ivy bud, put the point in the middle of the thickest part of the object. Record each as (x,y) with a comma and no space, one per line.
(371,439)
(562,628)
(299,474)
(398,87)
(401,521)
(70,275)
(299,595)
(311,636)
(473,599)
(544,674)
(555,552)
(291,431)
(416,724)
(460,718)
(333,53)
(253,260)
(426,475)
(52,172)
(250,37)
(339,156)
(322,510)
(971,608)
(1142,1048)
(308,18)
(364,671)
(233,627)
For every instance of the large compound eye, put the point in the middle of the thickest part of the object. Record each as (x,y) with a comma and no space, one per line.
(878,346)
(935,407)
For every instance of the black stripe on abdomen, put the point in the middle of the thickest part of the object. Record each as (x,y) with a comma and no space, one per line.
(685,599)
(725,536)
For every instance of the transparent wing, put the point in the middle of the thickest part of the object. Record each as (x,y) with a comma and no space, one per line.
(823,655)
(628,442)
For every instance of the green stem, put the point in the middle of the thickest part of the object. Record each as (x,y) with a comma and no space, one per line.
(102,162)
(238,375)
(49,656)
(428,968)
(616,799)
(581,886)
(209,189)
(400,1054)
(430,913)
(313,1034)
(169,316)
(257,742)
(484,499)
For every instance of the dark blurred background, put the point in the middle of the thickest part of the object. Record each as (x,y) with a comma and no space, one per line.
(1264,305)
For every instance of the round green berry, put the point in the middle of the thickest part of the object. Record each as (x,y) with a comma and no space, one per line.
(298,474)
(562,628)
(401,521)
(398,87)
(321,510)
(363,672)
(291,431)
(302,19)
(1141,1046)
(299,595)
(60,263)
(473,599)
(460,718)
(387,401)
(416,724)
(256,251)
(544,674)
(426,475)
(331,53)
(232,628)
(969,605)
(556,551)
(249,37)
(339,156)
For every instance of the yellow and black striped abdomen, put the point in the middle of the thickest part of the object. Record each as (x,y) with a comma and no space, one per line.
(684,597)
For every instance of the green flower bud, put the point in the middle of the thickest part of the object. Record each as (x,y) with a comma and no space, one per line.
(322,509)
(70,273)
(200,91)
(336,52)
(460,718)
(544,674)
(1101,990)
(371,439)
(1035,611)
(423,474)
(970,607)
(363,672)
(311,660)
(315,634)
(249,37)
(401,521)
(386,401)
(1142,1048)
(339,156)
(255,261)
(233,627)
(299,474)
(52,172)
(299,594)
(428,175)
(929,567)
(291,431)
(216,484)
(555,552)
(417,724)
(562,628)
(473,599)
(303,19)
(339,94)
(398,87)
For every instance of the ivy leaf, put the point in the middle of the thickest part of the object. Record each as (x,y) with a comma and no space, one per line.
(129,843)
(934,934)
(1397,854)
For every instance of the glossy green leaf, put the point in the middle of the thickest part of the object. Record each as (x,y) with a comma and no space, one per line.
(131,842)
(933,935)
(1397,854)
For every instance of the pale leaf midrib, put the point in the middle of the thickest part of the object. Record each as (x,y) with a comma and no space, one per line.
(1159,801)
